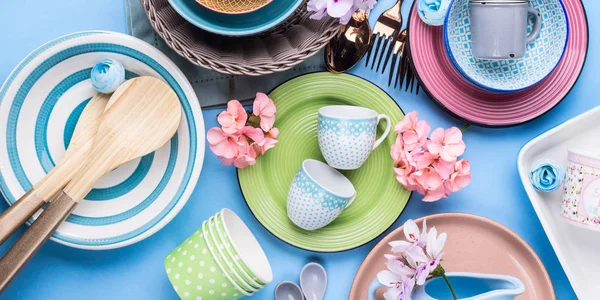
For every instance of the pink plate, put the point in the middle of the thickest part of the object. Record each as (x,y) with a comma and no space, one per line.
(474,244)
(454,93)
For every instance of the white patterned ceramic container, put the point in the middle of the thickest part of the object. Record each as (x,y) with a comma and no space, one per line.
(581,200)
(318,194)
(507,75)
(347,134)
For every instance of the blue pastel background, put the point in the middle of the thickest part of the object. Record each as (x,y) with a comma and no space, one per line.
(136,272)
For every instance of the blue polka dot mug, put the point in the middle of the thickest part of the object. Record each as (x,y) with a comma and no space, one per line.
(318,194)
(347,134)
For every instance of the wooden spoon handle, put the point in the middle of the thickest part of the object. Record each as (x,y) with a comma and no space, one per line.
(32,240)
(18,213)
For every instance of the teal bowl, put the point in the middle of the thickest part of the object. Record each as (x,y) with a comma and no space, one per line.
(236,25)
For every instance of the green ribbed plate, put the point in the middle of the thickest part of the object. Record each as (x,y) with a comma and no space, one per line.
(265,185)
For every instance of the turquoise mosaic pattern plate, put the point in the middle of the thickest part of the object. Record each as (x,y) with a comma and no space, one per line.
(40,103)
(511,75)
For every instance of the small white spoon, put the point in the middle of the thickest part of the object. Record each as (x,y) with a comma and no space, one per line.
(313,280)
(287,290)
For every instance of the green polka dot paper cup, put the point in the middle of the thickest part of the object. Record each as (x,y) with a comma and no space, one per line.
(242,247)
(195,275)
(225,250)
(220,260)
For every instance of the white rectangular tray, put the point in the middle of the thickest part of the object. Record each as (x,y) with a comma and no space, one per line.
(578,249)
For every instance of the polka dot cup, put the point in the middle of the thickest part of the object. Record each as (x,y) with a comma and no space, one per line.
(318,194)
(347,134)
(231,257)
(230,254)
(195,274)
(220,259)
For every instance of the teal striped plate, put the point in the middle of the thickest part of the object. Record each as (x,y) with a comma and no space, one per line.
(40,103)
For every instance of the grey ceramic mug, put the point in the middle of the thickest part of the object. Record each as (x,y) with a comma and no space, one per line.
(499,28)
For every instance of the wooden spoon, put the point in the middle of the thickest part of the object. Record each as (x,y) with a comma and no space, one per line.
(61,174)
(143,114)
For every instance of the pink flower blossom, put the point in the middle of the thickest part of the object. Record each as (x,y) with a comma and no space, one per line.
(424,159)
(407,123)
(265,109)
(460,178)
(447,144)
(268,142)
(428,178)
(444,168)
(255,134)
(412,131)
(223,144)
(418,259)
(234,118)
(435,194)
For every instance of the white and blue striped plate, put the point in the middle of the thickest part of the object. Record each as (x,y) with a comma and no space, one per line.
(40,103)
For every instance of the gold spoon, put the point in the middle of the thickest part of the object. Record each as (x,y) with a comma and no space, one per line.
(351,44)
(143,114)
(75,156)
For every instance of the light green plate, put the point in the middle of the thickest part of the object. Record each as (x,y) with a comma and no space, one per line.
(265,185)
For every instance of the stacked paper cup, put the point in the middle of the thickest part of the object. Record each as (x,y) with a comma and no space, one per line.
(222,260)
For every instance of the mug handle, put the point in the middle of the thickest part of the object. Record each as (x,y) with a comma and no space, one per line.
(537,25)
(387,129)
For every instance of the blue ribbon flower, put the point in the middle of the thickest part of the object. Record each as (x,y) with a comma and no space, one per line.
(546,175)
(107,75)
(433,12)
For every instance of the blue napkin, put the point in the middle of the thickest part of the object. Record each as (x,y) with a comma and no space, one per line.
(213,88)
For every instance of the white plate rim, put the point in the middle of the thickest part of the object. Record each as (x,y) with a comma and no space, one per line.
(531,194)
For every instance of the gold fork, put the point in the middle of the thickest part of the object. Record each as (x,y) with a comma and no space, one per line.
(386,31)
(405,67)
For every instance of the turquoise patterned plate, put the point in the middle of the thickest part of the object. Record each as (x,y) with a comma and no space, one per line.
(40,103)
(510,75)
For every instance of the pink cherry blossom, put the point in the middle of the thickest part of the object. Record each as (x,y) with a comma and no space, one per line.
(234,118)
(223,144)
(265,109)
(460,178)
(447,144)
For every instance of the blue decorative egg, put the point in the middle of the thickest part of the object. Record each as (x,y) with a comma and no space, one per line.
(107,75)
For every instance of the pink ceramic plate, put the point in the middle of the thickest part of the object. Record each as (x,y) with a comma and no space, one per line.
(474,244)
(451,91)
